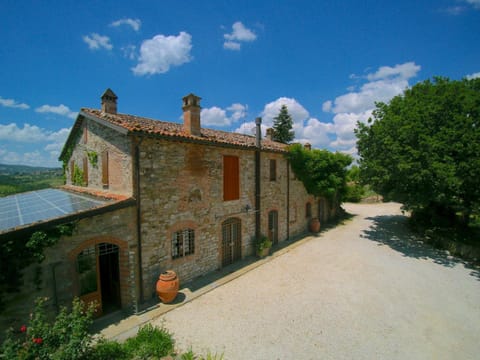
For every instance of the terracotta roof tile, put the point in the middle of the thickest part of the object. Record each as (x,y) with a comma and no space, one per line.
(136,124)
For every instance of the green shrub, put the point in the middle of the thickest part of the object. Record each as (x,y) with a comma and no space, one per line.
(150,342)
(107,350)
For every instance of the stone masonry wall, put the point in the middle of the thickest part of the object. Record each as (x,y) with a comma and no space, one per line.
(96,139)
(56,278)
(182,187)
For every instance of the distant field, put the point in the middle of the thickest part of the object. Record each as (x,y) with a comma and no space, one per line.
(15,179)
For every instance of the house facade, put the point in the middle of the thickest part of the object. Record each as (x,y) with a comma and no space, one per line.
(197,200)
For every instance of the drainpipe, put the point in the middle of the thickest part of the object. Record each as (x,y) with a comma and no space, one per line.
(288,199)
(139,218)
(258,132)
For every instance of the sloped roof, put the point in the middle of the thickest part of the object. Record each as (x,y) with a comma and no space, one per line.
(145,126)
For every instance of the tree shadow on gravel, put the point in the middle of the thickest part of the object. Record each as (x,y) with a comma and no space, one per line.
(393,231)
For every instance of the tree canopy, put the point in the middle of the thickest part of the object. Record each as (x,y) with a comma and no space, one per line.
(423,148)
(282,126)
(322,172)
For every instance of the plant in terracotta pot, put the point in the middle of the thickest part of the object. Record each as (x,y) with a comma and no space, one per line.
(263,245)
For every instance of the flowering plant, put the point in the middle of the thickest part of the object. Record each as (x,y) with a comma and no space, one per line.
(66,338)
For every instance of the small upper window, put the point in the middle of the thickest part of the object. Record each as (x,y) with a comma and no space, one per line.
(273,170)
(183,243)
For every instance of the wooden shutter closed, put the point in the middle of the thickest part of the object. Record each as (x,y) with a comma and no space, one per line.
(231,178)
(85,171)
(105,168)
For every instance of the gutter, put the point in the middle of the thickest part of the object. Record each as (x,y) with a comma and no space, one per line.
(258,132)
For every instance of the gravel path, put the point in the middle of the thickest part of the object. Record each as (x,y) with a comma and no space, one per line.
(363,290)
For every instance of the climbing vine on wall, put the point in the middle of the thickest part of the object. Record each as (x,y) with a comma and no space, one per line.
(322,172)
(18,251)
(93,158)
(78,176)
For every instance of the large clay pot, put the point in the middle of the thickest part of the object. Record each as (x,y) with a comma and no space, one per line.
(315,225)
(167,286)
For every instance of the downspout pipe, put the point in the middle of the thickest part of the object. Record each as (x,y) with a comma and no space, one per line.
(258,143)
(139,220)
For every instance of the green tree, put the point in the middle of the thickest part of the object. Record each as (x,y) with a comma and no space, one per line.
(423,149)
(282,126)
(322,172)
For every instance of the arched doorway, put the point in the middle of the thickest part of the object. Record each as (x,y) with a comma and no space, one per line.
(273,226)
(231,241)
(99,276)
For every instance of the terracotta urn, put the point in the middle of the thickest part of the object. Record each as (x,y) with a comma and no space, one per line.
(167,286)
(315,225)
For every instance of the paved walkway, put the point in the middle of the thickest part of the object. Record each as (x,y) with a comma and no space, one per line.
(363,290)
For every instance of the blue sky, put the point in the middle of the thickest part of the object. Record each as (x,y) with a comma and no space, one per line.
(328,61)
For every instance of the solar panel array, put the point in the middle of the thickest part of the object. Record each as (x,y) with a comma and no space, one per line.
(30,207)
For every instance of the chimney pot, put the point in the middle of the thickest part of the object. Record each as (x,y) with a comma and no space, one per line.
(270,133)
(307,146)
(109,102)
(191,114)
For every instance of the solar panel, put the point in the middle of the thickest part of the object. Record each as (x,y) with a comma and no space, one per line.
(30,207)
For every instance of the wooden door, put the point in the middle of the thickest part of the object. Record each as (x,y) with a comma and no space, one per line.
(231,241)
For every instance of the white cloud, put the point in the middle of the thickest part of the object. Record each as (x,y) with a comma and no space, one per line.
(161,52)
(219,117)
(473,76)
(97,42)
(231,45)
(381,86)
(31,134)
(133,23)
(399,71)
(238,111)
(295,109)
(239,34)
(59,110)
(13,104)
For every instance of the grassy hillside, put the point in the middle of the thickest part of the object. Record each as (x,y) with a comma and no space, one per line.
(19,178)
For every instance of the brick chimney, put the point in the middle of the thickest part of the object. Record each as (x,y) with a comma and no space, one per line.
(307,146)
(191,114)
(269,134)
(109,102)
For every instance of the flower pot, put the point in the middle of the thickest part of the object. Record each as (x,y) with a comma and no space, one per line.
(264,252)
(315,225)
(167,286)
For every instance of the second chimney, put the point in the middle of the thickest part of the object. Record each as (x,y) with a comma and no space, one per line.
(191,114)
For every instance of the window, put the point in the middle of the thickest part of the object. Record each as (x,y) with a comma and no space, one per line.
(85,171)
(273,170)
(308,210)
(105,168)
(72,171)
(231,179)
(183,243)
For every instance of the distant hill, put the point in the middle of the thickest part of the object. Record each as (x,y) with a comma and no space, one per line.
(20,178)
(6,169)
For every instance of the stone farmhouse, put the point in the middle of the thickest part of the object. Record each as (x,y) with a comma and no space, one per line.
(177,196)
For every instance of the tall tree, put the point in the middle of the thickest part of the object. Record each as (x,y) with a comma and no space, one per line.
(282,126)
(423,149)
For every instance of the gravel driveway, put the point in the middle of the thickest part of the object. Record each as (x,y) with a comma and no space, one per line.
(363,290)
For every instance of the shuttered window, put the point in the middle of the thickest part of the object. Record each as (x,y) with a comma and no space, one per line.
(273,170)
(231,178)
(85,171)
(72,171)
(105,168)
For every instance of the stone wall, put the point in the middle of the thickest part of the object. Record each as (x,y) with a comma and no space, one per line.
(56,278)
(181,187)
(99,140)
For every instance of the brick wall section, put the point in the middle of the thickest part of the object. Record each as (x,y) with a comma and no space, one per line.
(117,227)
(101,139)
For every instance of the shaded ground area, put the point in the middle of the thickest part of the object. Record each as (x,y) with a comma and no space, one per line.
(363,290)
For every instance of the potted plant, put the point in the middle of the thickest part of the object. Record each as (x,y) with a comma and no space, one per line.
(263,245)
